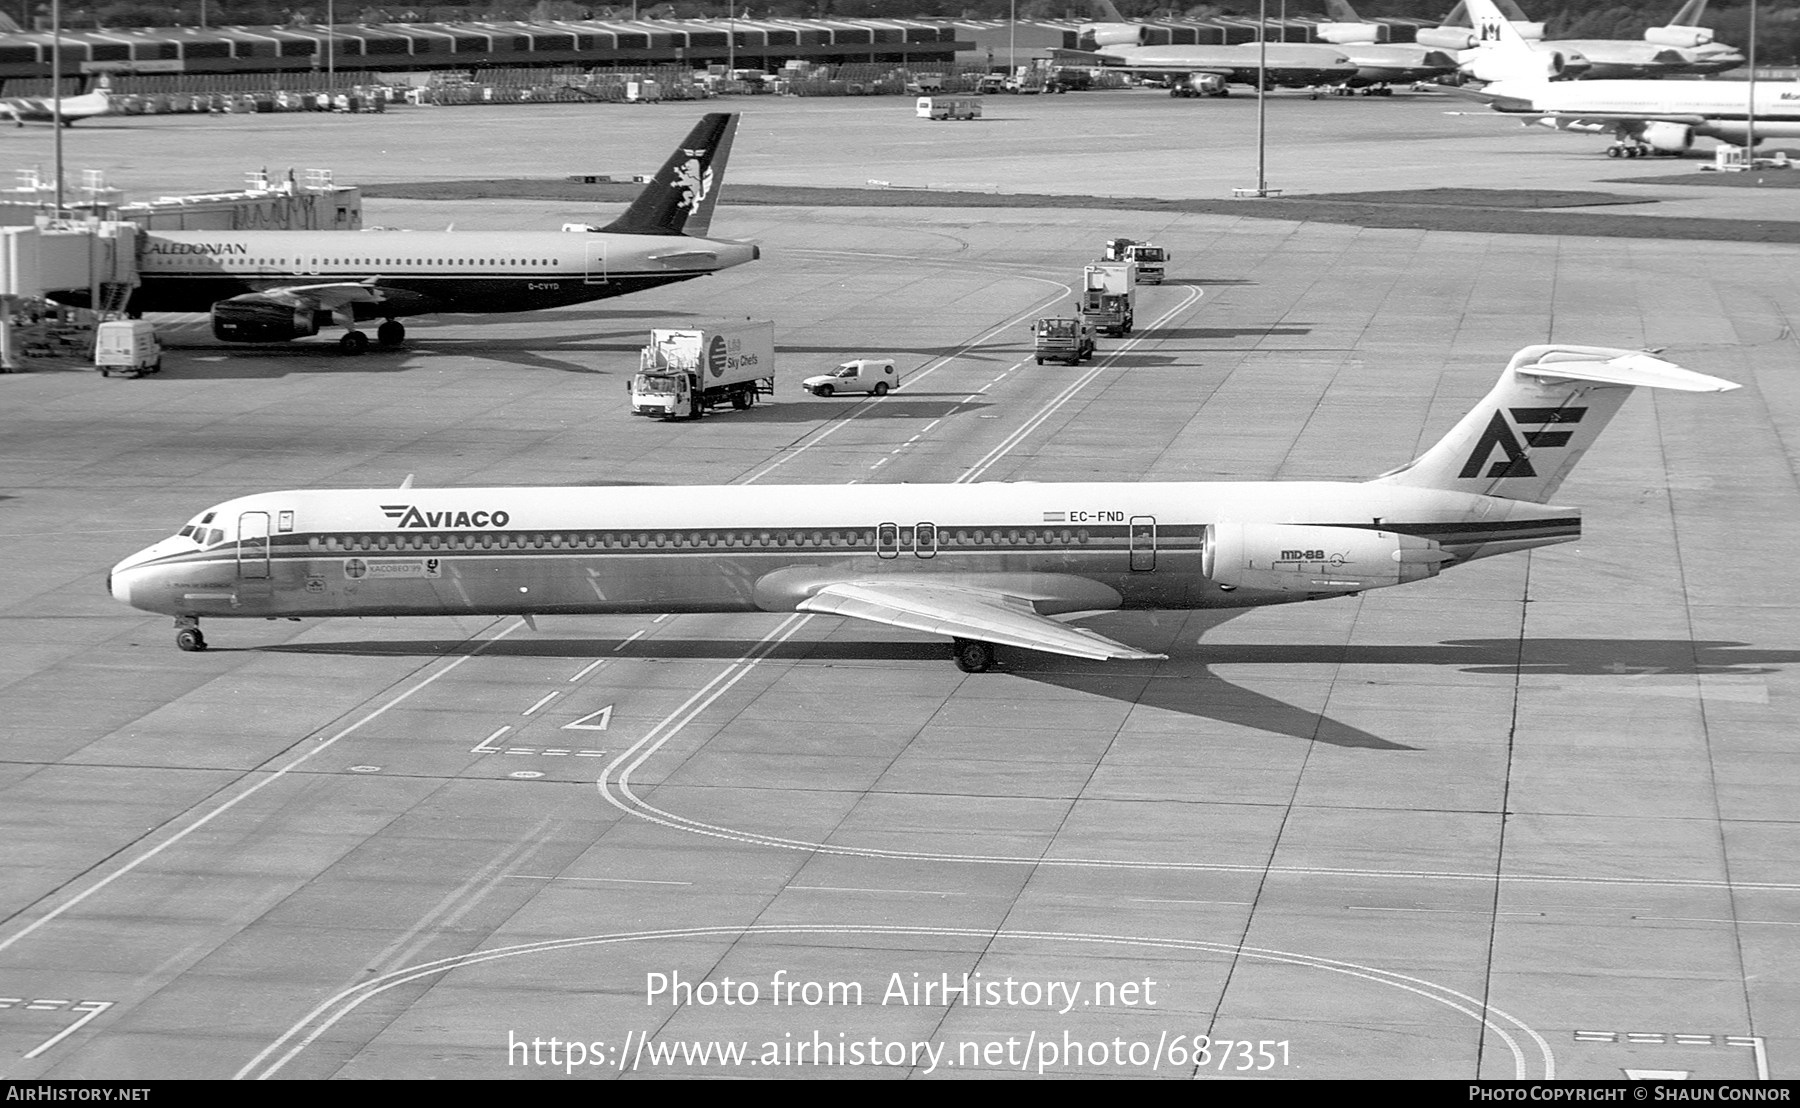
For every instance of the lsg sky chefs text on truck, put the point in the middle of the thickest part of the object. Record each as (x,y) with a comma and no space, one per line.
(686,371)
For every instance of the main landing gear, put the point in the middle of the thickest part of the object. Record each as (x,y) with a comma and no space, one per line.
(391,333)
(1638,150)
(972,656)
(187,633)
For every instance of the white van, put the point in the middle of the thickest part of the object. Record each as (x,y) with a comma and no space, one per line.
(870,375)
(127,346)
(948,107)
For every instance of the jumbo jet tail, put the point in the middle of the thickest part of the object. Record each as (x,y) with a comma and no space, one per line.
(679,200)
(1549,406)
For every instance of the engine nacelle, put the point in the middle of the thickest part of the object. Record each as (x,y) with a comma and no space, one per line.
(255,320)
(1497,65)
(1682,38)
(1295,558)
(1447,38)
(1206,84)
(1349,34)
(1673,138)
(1113,34)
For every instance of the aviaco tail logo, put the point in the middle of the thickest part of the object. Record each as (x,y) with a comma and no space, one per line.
(1499,435)
(407,515)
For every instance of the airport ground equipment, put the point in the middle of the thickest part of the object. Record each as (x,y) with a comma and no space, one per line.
(1152,261)
(1107,291)
(1063,339)
(868,375)
(127,347)
(1116,248)
(948,107)
(686,371)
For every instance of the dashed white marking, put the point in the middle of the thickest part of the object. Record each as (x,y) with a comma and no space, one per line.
(635,635)
(547,698)
(589,668)
(486,746)
(92,1008)
(249,791)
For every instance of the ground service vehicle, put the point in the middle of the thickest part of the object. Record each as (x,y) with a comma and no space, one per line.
(1064,339)
(685,371)
(127,346)
(1151,261)
(949,107)
(870,375)
(1116,248)
(1107,290)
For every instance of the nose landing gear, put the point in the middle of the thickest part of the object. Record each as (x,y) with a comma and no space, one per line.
(187,633)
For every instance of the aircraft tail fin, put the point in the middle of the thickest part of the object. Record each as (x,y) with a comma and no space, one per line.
(1690,15)
(1341,11)
(679,200)
(1549,406)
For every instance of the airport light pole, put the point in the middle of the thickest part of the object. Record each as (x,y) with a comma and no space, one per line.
(1012,35)
(1750,100)
(56,120)
(330,46)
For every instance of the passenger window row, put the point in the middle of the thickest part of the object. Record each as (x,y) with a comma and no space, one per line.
(687,540)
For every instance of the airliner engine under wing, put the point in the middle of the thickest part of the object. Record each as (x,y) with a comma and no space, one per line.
(986,564)
(273,286)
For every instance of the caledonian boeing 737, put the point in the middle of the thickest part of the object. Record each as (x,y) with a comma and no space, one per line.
(984,564)
(273,286)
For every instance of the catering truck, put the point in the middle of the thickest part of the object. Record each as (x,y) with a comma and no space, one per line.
(1107,289)
(685,371)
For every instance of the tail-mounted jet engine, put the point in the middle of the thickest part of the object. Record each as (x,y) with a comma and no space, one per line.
(1094,35)
(1319,561)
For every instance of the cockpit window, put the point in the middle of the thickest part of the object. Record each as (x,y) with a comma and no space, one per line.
(214,536)
(186,532)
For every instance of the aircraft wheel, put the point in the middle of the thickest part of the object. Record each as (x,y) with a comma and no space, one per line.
(391,333)
(353,342)
(881,388)
(823,390)
(1613,151)
(190,638)
(972,656)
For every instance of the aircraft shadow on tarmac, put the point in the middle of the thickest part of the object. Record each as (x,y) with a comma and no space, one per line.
(1186,684)
(1163,333)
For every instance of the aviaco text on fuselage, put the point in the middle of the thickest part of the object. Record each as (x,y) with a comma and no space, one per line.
(274,286)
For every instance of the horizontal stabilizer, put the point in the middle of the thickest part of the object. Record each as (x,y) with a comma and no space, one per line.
(965,613)
(1621,367)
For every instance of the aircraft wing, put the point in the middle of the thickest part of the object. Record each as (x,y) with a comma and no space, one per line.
(1126,61)
(965,612)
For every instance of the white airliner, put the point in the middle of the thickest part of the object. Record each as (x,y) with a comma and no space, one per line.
(985,564)
(273,286)
(1663,117)
(1496,49)
(1204,67)
(1683,47)
(44,109)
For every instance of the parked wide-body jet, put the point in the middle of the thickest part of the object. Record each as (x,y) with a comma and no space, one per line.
(1682,48)
(1204,66)
(986,564)
(1653,116)
(273,286)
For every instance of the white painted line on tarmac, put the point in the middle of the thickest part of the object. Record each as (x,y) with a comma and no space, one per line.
(485,746)
(635,635)
(547,698)
(247,793)
(603,880)
(91,1007)
(336,1008)
(589,668)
